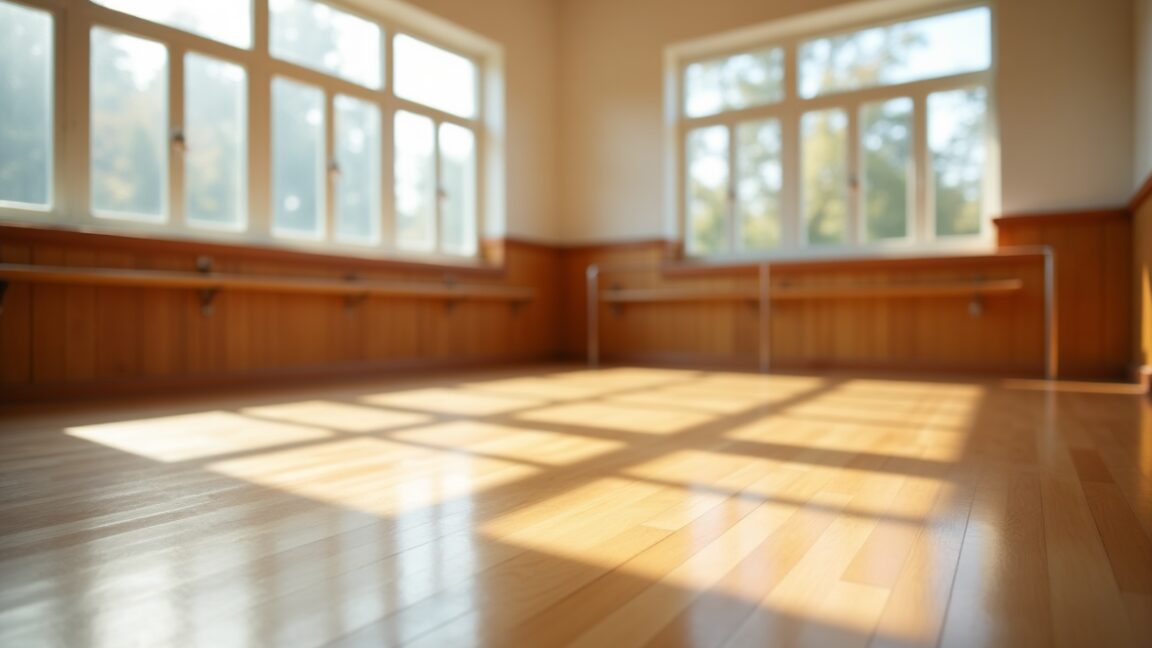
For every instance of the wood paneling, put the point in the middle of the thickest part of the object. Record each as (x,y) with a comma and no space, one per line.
(1142,280)
(78,339)
(1093,255)
(917,333)
(66,339)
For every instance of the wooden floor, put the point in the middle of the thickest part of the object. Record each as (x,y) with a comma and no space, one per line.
(552,506)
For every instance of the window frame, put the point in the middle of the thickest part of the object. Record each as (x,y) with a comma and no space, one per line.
(790,34)
(73,21)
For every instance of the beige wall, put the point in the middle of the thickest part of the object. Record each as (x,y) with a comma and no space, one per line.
(1066,100)
(1143,24)
(1065,103)
(527,30)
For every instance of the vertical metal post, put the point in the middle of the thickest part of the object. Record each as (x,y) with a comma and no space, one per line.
(592,276)
(764,327)
(1050,352)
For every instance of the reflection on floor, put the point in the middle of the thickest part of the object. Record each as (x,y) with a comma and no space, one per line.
(556,506)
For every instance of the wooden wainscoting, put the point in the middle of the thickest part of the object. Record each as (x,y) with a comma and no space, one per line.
(1142,284)
(1093,252)
(68,340)
(925,333)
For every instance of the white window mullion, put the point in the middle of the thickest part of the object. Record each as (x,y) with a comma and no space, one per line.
(480,196)
(332,169)
(922,205)
(441,191)
(177,137)
(854,227)
(792,219)
(731,231)
(260,131)
(72,101)
(388,152)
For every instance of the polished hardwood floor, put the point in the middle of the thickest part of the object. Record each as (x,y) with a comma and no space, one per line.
(559,506)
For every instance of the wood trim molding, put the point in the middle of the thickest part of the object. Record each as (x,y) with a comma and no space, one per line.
(14,397)
(17,233)
(1142,194)
(792,366)
(615,246)
(1142,375)
(919,290)
(69,275)
(1087,217)
(807,266)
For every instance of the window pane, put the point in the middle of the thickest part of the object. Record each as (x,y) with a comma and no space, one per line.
(129,132)
(886,157)
(909,51)
(758,187)
(458,178)
(228,21)
(358,189)
(707,199)
(741,81)
(434,77)
(297,159)
(956,126)
(215,125)
(825,169)
(25,105)
(323,38)
(415,182)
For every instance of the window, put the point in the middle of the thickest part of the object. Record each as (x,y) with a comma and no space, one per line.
(820,143)
(358,182)
(26,106)
(304,125)
(326,39)
(228,21)
(298,198)
(435,77)
(129,126)
(216,119)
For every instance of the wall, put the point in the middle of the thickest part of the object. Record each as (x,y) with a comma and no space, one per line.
(528,32)
(61,340)
(1143,70)
(1065,103)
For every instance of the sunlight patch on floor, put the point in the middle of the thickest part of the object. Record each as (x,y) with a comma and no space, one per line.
(459,402)
(615,417)
(502,441)
(337,416)
(691,397)
(374,476)
(195,436)
(700,467)
(544,387)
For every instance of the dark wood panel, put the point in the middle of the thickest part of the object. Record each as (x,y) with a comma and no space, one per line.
(1093,257)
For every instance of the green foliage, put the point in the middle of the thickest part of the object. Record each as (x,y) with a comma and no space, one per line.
(825,173)
(886,135)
